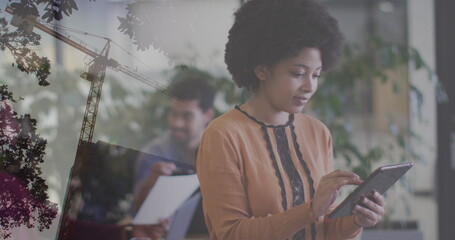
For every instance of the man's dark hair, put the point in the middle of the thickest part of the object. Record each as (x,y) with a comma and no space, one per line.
(267,31)
(194,88)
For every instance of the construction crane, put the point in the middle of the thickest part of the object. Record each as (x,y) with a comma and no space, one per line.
(95,75)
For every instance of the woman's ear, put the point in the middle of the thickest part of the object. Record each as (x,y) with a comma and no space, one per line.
(260,72)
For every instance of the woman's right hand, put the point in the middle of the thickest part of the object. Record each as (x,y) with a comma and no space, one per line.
(328,189)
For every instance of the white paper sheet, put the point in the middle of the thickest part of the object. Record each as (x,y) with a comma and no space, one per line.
(168,193)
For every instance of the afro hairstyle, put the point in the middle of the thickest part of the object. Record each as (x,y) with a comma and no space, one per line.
(267,31)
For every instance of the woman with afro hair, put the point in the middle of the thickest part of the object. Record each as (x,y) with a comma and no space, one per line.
(266,169)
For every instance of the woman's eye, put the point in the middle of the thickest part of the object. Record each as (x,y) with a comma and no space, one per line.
(316,76)
(298,74)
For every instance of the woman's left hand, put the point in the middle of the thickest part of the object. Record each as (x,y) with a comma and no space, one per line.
(370,210)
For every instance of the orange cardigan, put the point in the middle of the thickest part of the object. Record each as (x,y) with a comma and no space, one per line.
(243,179)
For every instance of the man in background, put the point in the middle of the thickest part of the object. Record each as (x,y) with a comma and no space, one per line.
(190,110)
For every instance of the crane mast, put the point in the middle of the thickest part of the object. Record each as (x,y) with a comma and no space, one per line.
(96,73)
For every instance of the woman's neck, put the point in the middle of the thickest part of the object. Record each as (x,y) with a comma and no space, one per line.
(261,109)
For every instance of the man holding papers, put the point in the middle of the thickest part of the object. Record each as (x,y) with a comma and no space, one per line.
(191,109)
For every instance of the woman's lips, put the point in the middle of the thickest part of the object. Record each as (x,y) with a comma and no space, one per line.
(301,100)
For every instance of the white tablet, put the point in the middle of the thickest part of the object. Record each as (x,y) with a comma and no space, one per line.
(380,180)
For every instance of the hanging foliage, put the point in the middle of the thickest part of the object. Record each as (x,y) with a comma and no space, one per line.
(23,199)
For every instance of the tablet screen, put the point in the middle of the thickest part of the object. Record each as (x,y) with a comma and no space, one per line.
(380,180)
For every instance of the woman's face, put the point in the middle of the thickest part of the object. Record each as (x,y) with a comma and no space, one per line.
(288,85)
